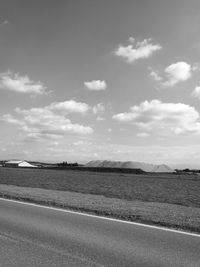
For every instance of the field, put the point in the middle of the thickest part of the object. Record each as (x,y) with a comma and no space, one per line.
(164,199)
(163,188)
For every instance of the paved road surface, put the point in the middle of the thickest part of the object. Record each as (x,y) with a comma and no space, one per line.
(37,236)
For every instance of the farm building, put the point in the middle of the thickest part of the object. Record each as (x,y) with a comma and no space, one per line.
(18,163)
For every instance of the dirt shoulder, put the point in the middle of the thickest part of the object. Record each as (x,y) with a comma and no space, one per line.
(163,214)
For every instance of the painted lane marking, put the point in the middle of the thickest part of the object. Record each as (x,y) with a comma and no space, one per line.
(101,217)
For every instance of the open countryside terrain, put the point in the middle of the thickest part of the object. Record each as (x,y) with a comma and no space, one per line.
(166,199)
(165,188)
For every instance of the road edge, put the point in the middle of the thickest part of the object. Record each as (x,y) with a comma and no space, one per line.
(60,209)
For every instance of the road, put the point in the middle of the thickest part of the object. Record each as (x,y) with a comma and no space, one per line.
(32,235)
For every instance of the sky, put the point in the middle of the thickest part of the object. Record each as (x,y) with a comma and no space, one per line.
(100,80)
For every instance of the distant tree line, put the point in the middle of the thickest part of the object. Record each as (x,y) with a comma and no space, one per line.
(187,171)
(66,164)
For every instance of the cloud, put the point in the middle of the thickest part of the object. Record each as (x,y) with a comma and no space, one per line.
(47,121)
(4,22)
(196,92)
(177,72)
(39,137)
(162,118)
(79,143)
(137,50)
(9,118)
(143,134)
(96,85)
(154,74)
(21,84)
(98,109)
(99,118)
(70,106)
(82,143)
(196,66)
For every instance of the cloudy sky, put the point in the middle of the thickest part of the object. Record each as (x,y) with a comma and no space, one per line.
(87,79)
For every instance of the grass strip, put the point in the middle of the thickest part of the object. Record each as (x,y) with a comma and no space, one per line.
(154,213)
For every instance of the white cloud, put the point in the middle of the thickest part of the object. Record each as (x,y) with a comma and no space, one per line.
(79,143)
(162,118)
(96,85)
(99,108)
(196,66)
(125,116)
(99,118)
(21,84)
(143,134)
(46,121)
(177,72)
(137,50)
(82,143)
(9,118)
(4,22)
(37,136)
(196,92)
(70,106)
(51,121)
(154,74)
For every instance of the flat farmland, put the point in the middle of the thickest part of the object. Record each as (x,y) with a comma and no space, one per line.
(163,188)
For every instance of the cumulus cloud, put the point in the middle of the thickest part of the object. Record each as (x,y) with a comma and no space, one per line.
(79,143)
(21,84)
(137,50)
(142,134)
(9,118)
(99,118)
(37,136)
(99,108)
(154,74)
(46,121)
(4,22)
(177,72)
(162,118)
(70,106)
(96,85)
(196,92)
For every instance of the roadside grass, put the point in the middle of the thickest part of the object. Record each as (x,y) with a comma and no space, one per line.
(163,214)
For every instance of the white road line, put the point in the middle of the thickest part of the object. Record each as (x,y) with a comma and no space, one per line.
(101,217)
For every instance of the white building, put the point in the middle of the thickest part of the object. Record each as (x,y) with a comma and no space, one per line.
(19,163)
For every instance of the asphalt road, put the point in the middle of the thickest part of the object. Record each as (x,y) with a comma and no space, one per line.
(32,235)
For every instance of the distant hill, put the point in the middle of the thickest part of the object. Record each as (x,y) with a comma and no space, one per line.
(129,165)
